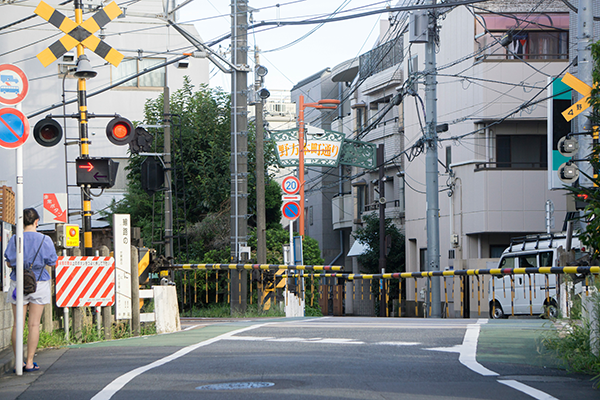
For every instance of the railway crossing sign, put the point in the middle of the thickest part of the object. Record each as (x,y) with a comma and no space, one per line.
(85,281)
(13,84)
(290,185)
(14,128)
(291,210)
(582,88)
(79,33)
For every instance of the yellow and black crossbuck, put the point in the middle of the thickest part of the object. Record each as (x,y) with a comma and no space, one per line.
(79,33)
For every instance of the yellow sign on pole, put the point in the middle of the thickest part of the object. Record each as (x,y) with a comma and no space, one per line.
(79,33)
(71,235)
(582,88)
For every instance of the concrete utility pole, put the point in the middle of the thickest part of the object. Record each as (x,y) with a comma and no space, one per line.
(382,260)
(585,64)
(261,220)
(431,166)
(239,148)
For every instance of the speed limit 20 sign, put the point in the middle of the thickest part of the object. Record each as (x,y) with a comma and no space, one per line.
(290,185)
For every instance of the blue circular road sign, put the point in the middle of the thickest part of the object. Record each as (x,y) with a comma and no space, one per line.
(14,128)
(291,210)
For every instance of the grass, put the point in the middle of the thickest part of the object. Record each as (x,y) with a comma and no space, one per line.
(252,311)
(89,334)
(224,311)
(572,344)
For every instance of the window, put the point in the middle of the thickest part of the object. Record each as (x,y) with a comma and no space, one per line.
(534,36)
(528,261)
(546,259)
(423,259)
(362,199)
(132,66)
(310,215)
(507,262)
(521,151)
(496,250)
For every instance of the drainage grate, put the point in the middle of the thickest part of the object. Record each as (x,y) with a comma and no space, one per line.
(236,386)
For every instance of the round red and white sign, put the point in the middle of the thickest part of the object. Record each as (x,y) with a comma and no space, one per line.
(290,185)
(13,84)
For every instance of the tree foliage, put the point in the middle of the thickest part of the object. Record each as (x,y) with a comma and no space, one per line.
(590,234)
(369,235)
(200,150)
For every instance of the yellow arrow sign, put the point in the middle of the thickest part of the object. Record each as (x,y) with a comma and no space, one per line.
(79,33)
(582,88)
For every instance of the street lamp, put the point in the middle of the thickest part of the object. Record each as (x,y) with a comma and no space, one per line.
(329,104)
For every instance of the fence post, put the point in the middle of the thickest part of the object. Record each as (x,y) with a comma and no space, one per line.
(135,293)
(106,311)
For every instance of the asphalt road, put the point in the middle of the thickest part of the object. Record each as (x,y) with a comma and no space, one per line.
(316,358)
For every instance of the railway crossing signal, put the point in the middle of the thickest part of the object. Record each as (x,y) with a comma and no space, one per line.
(79,33)
(96,172)
(47,132)
(119,131)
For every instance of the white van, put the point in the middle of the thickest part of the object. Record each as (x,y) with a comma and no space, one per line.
(533,294)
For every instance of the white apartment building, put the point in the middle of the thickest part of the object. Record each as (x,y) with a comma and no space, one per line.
(495,185)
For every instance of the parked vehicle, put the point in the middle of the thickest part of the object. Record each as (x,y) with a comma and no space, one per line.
(526,294)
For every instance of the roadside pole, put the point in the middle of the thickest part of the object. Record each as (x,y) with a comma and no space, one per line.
(19,268)
(431,166)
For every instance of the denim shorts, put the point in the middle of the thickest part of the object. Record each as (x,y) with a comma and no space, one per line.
(41,296)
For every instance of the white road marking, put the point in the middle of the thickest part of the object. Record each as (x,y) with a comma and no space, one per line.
(467,356)
(117,384)
(468,350)
(521,387)
(316,340)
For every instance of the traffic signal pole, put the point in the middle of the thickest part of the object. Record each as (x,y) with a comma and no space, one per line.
(84,142)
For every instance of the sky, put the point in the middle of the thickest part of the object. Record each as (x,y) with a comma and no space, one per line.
(328,46)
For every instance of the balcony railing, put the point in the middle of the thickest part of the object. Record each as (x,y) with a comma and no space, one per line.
(375,206)
(520,165)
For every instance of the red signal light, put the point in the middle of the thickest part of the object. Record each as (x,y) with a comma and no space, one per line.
(47,132)
(119,131)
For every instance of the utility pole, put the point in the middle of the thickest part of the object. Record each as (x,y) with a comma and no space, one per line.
(261,220)
(382,260)
(431,165)
(239,149)
(168,239)
(585,64)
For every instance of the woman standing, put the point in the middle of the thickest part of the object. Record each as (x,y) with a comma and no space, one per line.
(38,251)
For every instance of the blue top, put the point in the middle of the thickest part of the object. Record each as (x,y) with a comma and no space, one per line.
(31,243)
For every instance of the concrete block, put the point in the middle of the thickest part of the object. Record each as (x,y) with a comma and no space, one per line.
(166,309)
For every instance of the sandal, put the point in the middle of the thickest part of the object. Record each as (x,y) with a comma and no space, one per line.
(15,370)
(32,369)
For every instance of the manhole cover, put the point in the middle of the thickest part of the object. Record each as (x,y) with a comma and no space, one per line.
(236,386)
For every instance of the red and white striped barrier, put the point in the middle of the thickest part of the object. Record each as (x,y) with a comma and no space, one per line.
(85,281)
